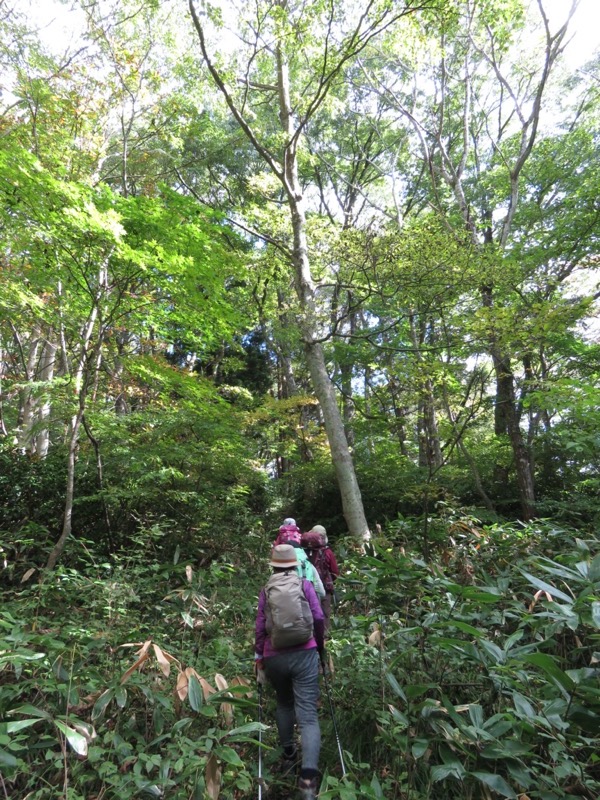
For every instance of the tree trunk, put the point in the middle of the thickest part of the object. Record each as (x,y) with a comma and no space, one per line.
(82,380)
(507,419)
(27,399)
(58,548)
(46,373)
(3,431)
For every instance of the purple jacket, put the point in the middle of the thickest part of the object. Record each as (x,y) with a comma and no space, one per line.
(263,647)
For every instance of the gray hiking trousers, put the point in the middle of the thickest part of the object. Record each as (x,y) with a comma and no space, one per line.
(295,678)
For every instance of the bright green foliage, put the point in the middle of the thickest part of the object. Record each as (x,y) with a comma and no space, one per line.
(465,645)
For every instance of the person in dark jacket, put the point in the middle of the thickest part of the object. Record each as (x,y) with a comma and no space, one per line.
(325,562)
(294,673)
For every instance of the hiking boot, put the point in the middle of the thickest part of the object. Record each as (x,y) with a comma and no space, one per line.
(309,788)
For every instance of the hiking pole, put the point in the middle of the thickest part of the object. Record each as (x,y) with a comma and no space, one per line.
(260,780)
(335,729)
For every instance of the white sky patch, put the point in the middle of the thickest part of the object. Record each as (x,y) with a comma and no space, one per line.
(61,25)
(583,28)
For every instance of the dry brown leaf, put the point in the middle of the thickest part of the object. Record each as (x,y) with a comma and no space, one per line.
(207,689)
(189,573)
(524,797)
(213,777)
(144,648)
(221,682)
(182,685)
(163,662)
(132,669)
(28,575)
(375,638)
(191,671)
(331,666)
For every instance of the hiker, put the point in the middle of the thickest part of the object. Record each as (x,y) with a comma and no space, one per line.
(289,640)
(305,569)
(288,532)
(322,557)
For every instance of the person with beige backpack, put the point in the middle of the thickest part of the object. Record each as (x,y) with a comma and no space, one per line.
(289,643)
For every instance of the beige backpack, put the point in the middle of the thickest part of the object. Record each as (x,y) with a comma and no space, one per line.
(289,618)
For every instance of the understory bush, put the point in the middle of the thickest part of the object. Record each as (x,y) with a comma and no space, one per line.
(473,674)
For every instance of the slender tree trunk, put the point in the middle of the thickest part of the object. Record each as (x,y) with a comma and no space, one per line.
(27,399)
(46,373)
(82,381)
(508,420)
(346,374)
(3,431)
(73,443)
(430,450)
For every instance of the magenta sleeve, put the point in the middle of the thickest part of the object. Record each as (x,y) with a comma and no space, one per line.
(261,626)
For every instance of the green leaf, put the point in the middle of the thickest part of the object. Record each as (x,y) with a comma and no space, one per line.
(465,628)
(497,654)
(77,741)
(7,760)
(188,619)
(596,613)
(417,689)
(250,727)
(121,696)
(547,587)
(399,716)
(495,782)
(396,688)
(523,706)
(195,693)
(101,704)
(442,771)
(229,755)
(548,665)
(59,670)
(594,571)
(33,711)
(454,715)
(419,747)
(376,786)
(20,724)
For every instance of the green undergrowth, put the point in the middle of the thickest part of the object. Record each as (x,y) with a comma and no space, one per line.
(471,675)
